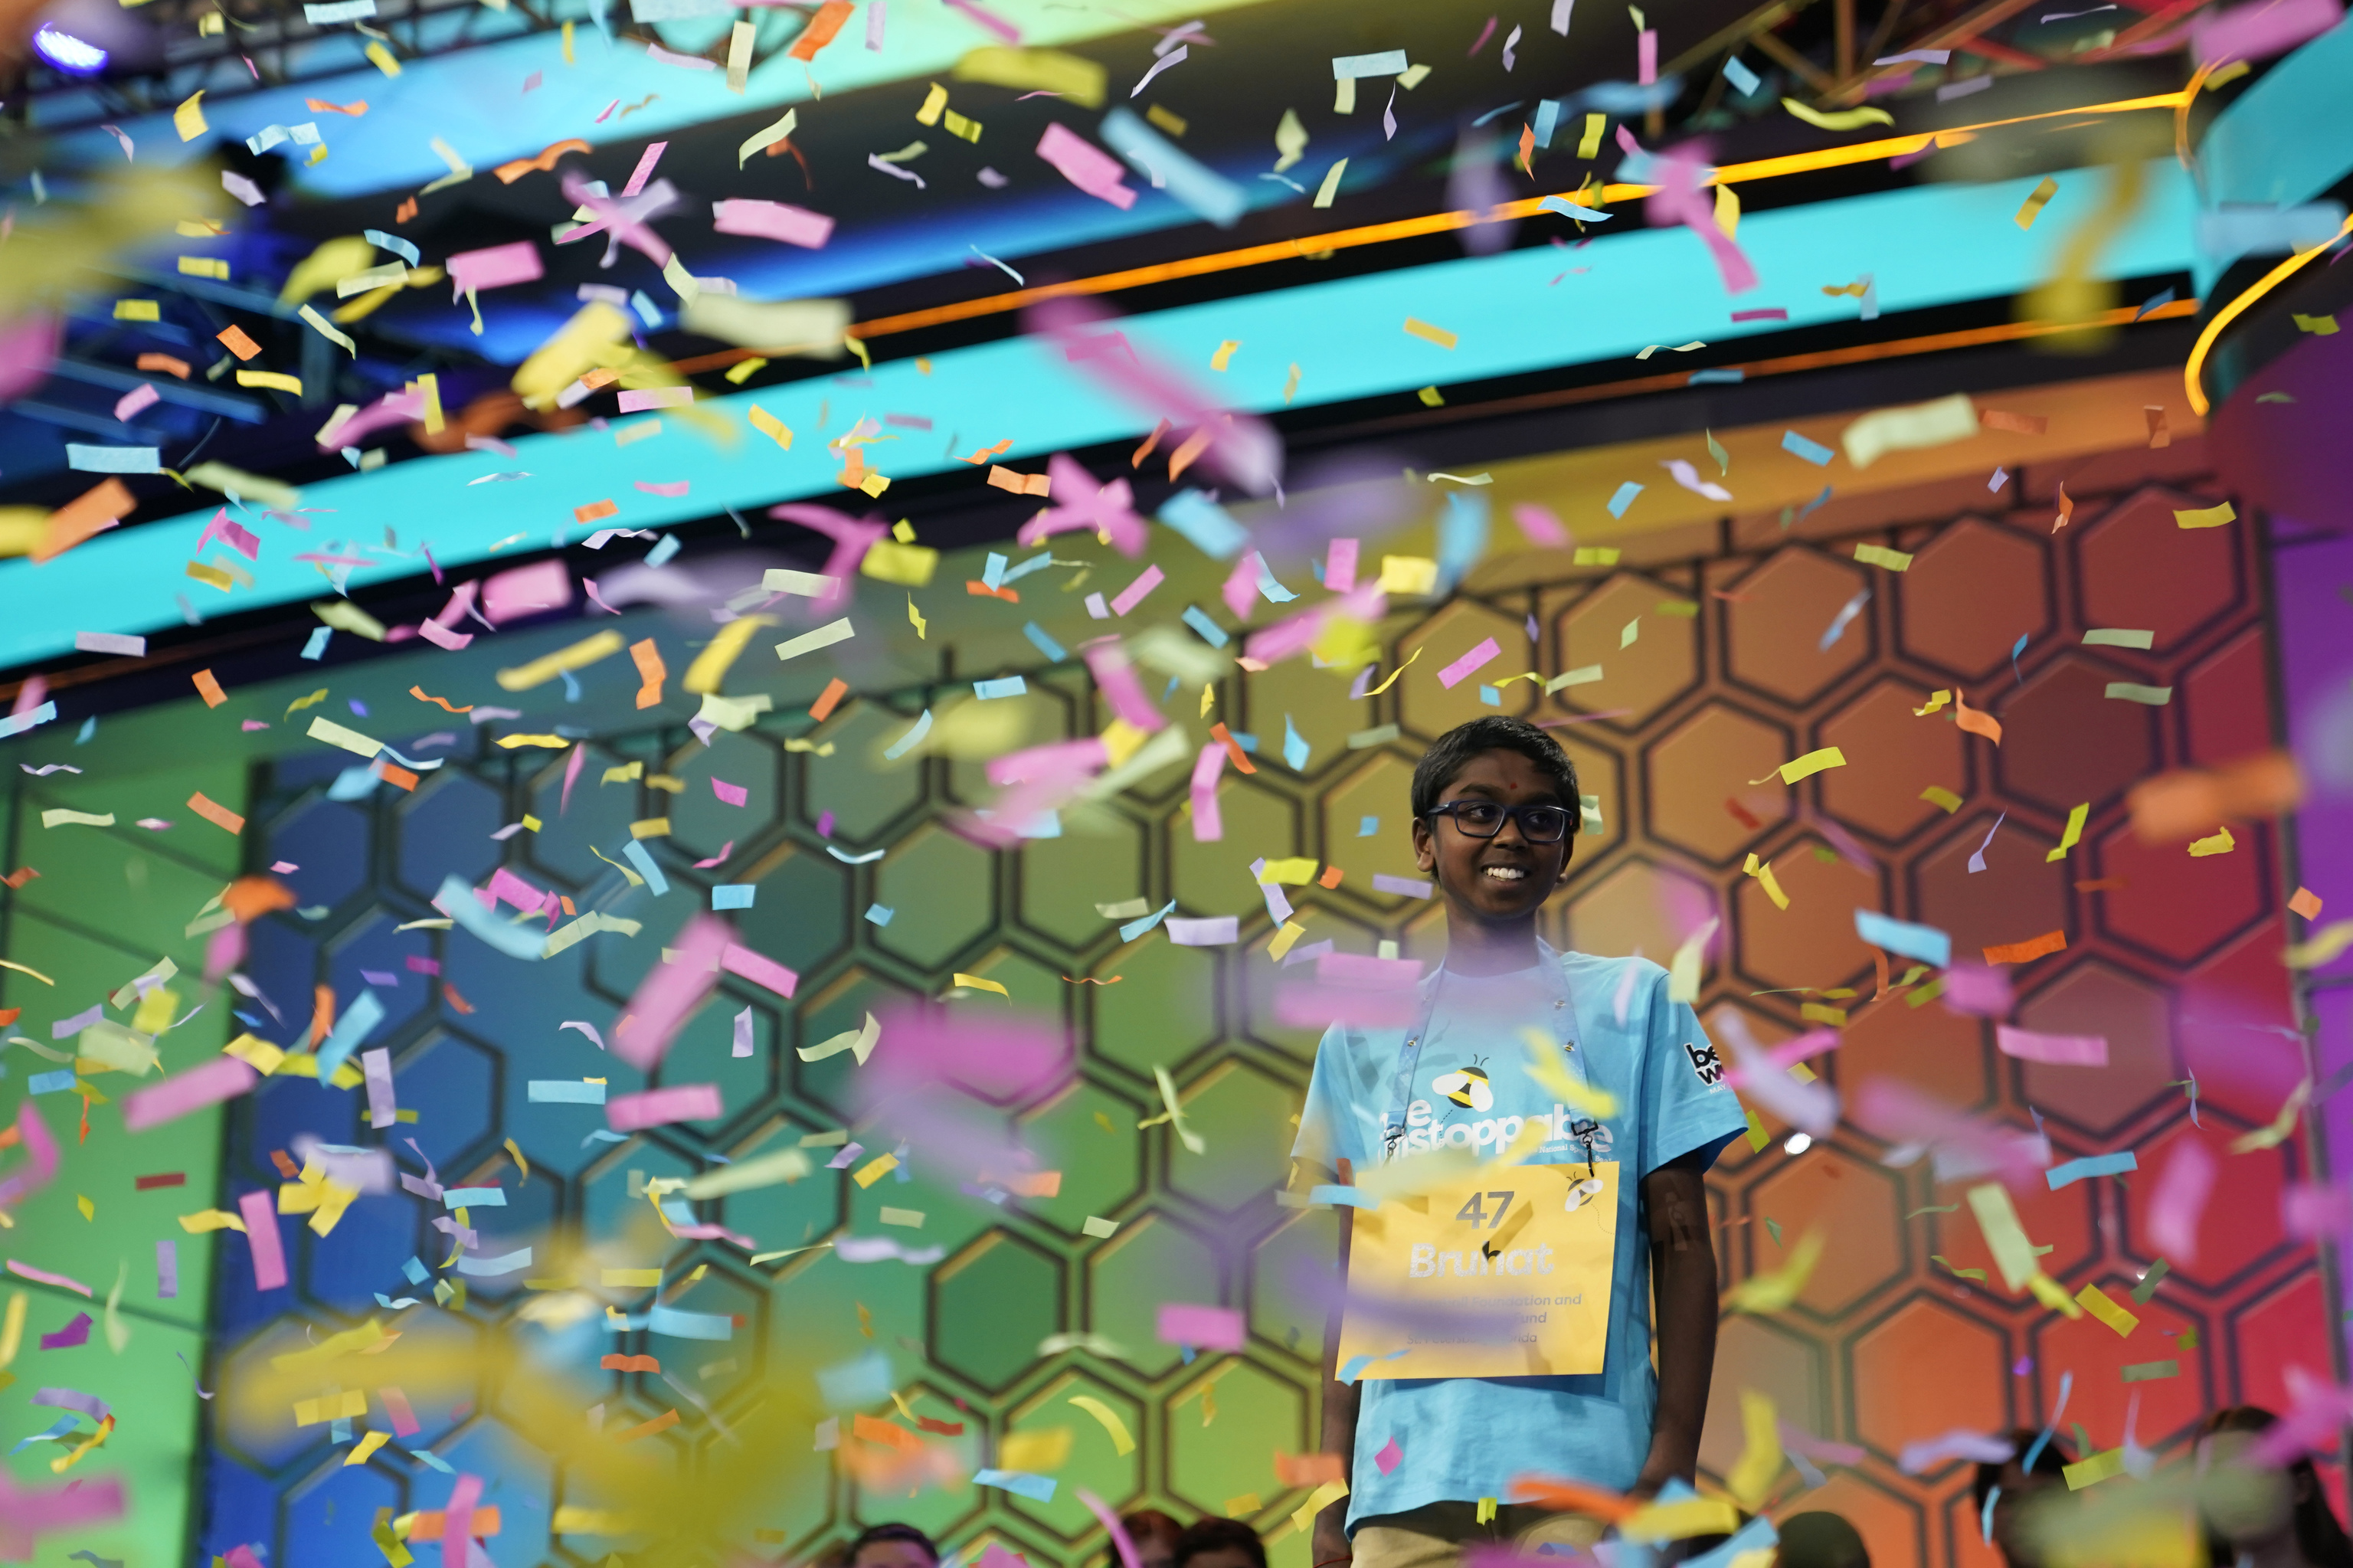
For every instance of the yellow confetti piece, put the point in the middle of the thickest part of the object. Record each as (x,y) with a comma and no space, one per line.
(873,1170)
(368,1445)
(649,828)
(2097,1302)
(1297,871)
(1284,939)
(276,380)
(88,1210)
(744,372)
(2072,835)
(1771,1292)
(521,1162)
(1409,575)
(934,102)
(2094,1470)
(350,740)
(2281,1126)
(382,58)
(188,120)
(973,982)
(1546,1068)
(2326,943)
(2036,201)
(1437,334)
(579,655)
(2219,843)
(1595,555)
(726,644)
(1944,800)
(1681,1520)
(2210,517)
(1038,1453)
(1763,873)
(1880,556)
(204,266)
(1760,1462)
(1400,670)
(1590,145)
(915,619)
(550,742)
(1242,1506)
(137,311)
(1843,120)
(1122,1443)
(1486,1512)
(1805,767)
(767,424)
(1303,1518)
(1225,355)
(1331,185)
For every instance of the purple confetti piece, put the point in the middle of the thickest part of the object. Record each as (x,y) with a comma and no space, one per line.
(167,1269)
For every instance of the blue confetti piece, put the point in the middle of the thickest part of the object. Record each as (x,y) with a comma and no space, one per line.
(879,914)
(427,1455)
(88,729)
(317,646)
(1744,81)
(2015,649)
(1925,943)
(634,852)
(1490,696)
(1274,591)
(1036,563)
(1624,498)
(1139,926)
(1547,120)
(414,1270)
(352,1028)
(56,1430)
(1812,451)
(2152,303)
(1716,378)
(664,548)
(571,686)
(732,895)
(565,1092)
(1367,826)
(992,575)
(1020,1484)
(1043,643)
(1249,743)
(50,1082)
(2074,1170)
(1008,686)
(1209,525)
(1211,633)
(358,707)
(1461,537)
(1294,747)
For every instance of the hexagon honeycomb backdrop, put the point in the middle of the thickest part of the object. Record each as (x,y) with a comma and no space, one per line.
(1715,669)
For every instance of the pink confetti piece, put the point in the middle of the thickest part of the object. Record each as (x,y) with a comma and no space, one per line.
(1389,1457)
(670,993)
(987,19)
(743,1046)
(636,400)
(1455,674)
(725,851)
(143,396)
(1481,41)
(1959,1444)
(645,169)
(261,1232)
(1541,526)
(2178,1200)
(672,488)
(1208,826)
(63,1282)
(2056,1050)
(396,1406)
(442,636)
(1134,594)
(684,62)
(1776,314)
(1203,1328)
(222,1078)
(2259,30)
(526,590)
(2309,1213)
(660,1107)
(759,969)
(1646,57)
(732,794)
(237,538)
(1086,165)
(1115,679)
(458,1522)
(777,221)
(130,155)
(1680,199)
(571,775)
(494,267)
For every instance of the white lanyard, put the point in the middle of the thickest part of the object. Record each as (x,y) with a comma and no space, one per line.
(1563,1030)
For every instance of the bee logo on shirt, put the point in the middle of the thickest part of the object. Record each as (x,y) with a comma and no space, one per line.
(1466,1086)
(1707,1063)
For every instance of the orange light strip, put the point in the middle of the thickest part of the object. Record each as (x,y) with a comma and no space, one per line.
(1413,228)
(2232,311)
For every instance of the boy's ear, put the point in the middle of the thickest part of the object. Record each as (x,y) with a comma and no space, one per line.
(1568,859)
(1425,850)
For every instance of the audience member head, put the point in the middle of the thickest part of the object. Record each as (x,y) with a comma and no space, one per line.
(1219,1543)
(2012,1486)
(892,1546)
(2252,1510)
(1820,1539)
(1155,1535)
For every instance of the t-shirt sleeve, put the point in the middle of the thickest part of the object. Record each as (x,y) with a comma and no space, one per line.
(1686,1104)
(1328,1126)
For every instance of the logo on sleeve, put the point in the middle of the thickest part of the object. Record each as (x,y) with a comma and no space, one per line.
(1707,1063)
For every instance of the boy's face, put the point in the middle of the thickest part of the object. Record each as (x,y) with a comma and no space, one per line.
(1504,879)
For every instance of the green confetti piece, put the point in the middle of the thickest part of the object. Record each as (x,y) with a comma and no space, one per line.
(2150,1371)
(2148,1282)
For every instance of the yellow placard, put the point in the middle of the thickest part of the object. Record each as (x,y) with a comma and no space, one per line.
(1537,1241)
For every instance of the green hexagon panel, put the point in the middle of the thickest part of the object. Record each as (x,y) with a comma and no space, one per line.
(992,1304)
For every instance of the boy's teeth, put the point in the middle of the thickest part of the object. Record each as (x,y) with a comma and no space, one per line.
(1505,873)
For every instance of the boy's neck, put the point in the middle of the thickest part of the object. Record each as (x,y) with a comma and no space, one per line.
(1475,948)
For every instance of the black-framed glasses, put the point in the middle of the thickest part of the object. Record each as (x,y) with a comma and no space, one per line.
(1484,820)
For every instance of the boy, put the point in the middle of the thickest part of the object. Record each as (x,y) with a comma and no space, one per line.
(1495,808)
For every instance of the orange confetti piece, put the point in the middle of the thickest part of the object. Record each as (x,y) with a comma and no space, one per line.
(663,1422)
(650,670)
(404,211)
(164,362)
(1150,441)
(208,688)
(1330,877)
(1977,721)
(418,693)
(593,511)
(630,1363)
(394,774)
(545,163)
(2032,947)
(1219,733)
(975,586)
(981,454)
(873,1429)
(427,1523)
(92,512)
(460,1002)
(820,29)
(213,812)
(251,898)
(234,339)
(822,709)
(1572,1497)
(2306,903)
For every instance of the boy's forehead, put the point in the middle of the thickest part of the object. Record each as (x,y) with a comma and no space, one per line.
(1503,771)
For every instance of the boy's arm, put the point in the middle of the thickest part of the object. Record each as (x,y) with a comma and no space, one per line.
(1683,1266)
(1338,1431)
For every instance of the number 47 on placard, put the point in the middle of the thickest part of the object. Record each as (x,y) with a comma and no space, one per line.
(1477,1216)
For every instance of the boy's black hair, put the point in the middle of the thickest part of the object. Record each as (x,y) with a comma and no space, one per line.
(1452,752)
(1210,1534)
(892,1531)
(2054,1459)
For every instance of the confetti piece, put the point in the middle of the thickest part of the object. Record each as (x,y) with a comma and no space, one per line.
(2035,202)
(2210,517)
(1843,120)
(1435,334)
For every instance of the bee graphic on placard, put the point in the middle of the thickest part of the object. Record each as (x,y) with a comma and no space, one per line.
(1466,1086)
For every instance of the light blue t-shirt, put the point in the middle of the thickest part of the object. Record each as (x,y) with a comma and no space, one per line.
(1380,1094)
